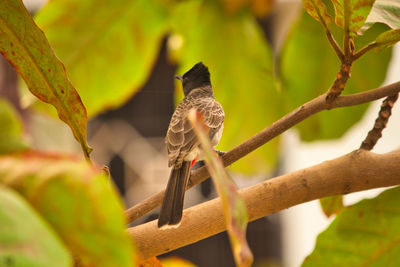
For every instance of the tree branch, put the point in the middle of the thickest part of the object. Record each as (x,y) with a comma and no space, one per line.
(357,171)
(380,123)
(312,107)
(334,45)
(346,28)
(347,60)
(340,82)
(329,35)
(364,50)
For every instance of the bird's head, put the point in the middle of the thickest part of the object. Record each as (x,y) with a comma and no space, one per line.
(196,77)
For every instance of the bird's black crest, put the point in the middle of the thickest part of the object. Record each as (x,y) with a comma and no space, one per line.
(196,77)
(198,72)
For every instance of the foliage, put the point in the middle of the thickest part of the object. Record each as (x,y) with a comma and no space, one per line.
(11,139)
(361,234)
(219,39)
(217,34)
(128,35)
(76,200)
(24,45)
(331,205)
(176,262)
(384,11)
(109,48)
(355,12)
(311,79)
(366,233)
(40,245)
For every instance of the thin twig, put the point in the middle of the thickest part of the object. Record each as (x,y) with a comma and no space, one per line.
(364,50)
(346,38)
(312,107)
(347,61)
(357,171)
(335,45)
(380,123)
(345,68)
(329,35)
(86,153)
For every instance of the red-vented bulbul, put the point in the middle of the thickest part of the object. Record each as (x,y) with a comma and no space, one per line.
(182,142)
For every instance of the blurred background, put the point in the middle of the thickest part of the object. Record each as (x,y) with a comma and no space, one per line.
(265,57)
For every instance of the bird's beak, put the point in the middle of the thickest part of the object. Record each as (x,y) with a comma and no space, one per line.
(179,77)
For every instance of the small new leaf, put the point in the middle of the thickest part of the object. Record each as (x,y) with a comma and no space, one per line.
(331,205)
(355,11)
(388,38)
(317,10)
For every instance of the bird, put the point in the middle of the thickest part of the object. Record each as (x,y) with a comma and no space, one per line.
(182,143)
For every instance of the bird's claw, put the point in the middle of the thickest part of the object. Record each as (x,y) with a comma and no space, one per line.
(220,153)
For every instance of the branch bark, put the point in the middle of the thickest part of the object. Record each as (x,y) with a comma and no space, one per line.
(340,82)
(380,123)
(312,107)
(356,171)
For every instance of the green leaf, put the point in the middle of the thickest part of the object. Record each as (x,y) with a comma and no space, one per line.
(317,10)
(24,45)
(10,129)
(175,262)
(77,200)
(240,63)
(384,11)
(309,67)
(108,47)
(233,205)
(365,234)
(25,238)
(388,38)
(358,11)
(331,205)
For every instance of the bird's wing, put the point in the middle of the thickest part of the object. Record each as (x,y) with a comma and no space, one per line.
(181,138)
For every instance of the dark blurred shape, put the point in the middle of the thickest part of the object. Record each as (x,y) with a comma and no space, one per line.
(206,187)
(117,171)
(150,110)
(9,88)
(214,251)
(151,217)
(8,83)
(263,236)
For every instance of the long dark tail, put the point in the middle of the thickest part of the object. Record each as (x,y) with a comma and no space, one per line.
(172,206)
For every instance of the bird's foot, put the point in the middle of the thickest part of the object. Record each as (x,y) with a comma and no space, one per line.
(220,153)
